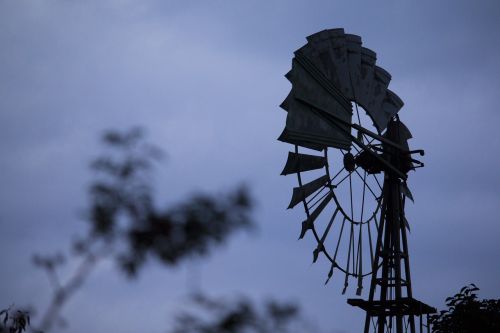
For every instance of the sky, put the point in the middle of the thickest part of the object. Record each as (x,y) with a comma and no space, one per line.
(205,80)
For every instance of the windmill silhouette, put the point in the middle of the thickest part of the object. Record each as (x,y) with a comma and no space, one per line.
(352,170)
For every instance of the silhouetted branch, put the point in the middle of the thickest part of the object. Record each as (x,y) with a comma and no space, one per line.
(122,215)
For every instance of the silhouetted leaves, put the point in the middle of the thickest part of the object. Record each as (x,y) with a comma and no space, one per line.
(467,314)
(125,223)
(14,321)
(122,192)
(219,316)
(190,228)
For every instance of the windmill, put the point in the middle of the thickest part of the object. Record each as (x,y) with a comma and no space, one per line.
(351,158)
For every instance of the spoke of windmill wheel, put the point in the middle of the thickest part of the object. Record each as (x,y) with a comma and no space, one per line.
(363,196)
(359,256)
(340,238)
(360,263)
(371,245)
(359,122)
(338,173)
(353,258)
(369,142)
(368,186)
(350,245)
(342,180)
(321,242)
(315,195)
(350,194)
(319,199)
(327,230)
(346,282)
(352,225)
(376,179)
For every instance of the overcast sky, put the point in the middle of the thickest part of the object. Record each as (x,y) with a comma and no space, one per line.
(205,79)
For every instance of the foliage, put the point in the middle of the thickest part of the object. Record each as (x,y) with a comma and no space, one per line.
(14,321)
(468,314)
(218,316)
(124,194)
(124,222)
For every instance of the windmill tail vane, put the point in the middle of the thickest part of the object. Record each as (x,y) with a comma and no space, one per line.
(351,158)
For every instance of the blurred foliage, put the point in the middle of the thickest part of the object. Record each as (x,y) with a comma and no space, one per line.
(125,223)
(219,316)
(123,193)
(468,314)
(14,321)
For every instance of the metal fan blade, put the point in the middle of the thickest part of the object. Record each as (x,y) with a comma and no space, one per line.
(353,44)
(302,162)
(381,79)
(302,192)
(319,36)
(307,224)
(287,137)
(312,88)
(391,105)
(330,55)
(404,132)
(330,273)
(285,105)
(324,35)
(368,59)
(303,125)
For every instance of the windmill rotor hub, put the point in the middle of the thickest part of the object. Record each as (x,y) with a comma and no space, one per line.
(349,162)
(369,162)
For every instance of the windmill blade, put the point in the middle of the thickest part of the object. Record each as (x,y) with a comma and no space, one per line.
(312,84)
(368,59)
(391,105)
(302,192)
(302,162)
(321,242)
(329,54)
(404,132)
(350,68)
(381,79)
(353,43)
(324,35)
(308,224)
(285,105)
(288,137)
(304,126)
(311,87)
